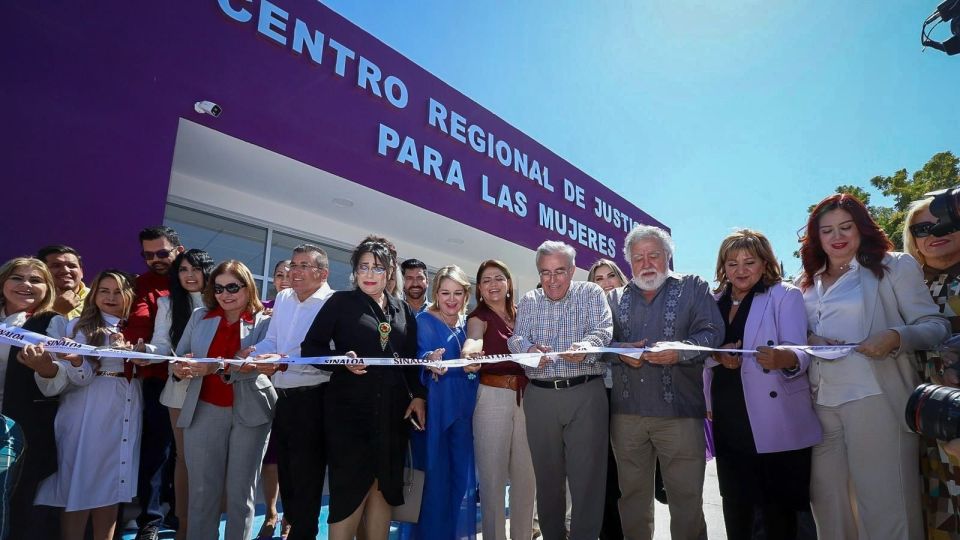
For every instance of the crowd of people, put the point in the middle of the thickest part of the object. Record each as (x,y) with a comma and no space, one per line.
(584,439)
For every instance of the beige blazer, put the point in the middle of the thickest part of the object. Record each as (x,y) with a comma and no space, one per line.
(901,302)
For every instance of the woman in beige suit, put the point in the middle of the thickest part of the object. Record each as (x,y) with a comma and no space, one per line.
(857,291)
(227,413)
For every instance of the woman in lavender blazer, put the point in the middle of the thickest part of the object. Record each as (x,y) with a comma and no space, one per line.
(764,424)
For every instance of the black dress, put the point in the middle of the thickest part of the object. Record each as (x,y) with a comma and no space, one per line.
(366,434)
(34,413)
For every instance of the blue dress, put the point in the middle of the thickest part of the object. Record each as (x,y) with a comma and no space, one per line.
(444,450)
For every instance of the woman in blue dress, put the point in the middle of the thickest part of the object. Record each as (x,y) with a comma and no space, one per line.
(449,506)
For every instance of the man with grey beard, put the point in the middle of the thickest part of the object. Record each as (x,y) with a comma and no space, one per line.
(657,401)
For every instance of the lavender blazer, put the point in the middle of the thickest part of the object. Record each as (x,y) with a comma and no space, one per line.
(779,405)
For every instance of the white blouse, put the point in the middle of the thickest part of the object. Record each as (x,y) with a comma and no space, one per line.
(837,313)
(160,343)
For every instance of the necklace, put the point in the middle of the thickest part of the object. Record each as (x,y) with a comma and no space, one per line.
(383,327)
(841,269)
(503,316)
(454,331)
(736,302)
(443,317)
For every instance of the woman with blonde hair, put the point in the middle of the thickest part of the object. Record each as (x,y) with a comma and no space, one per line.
(98,423)
(607,275)
(940,258)
(27,301)
(448,508)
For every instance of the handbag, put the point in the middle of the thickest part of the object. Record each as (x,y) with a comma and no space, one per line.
(409,511)
(174,393)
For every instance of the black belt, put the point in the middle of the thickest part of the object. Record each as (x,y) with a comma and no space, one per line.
(287,392)
(560,384)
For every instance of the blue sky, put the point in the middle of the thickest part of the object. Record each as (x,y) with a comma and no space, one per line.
(707,115)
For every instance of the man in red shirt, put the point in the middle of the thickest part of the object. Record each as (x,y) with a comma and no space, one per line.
(159,247)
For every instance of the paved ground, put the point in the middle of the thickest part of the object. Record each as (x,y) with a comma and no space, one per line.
(711,509)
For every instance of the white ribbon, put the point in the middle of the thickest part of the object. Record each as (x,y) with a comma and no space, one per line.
(19,337)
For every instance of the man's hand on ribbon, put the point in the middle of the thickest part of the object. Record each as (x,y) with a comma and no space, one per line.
(665,357)
(544,360)
(629,360)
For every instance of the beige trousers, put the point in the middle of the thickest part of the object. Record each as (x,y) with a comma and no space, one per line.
(679,443)
(502,453)
(865,467)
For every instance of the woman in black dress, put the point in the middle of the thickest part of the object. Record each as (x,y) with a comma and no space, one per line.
(366,408)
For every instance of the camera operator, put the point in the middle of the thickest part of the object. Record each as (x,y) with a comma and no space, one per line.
(940,257)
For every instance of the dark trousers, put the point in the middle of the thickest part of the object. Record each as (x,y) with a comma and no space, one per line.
(26,520)
(779,522)
(19,518)
(156,444)
(301,458)
(611,530)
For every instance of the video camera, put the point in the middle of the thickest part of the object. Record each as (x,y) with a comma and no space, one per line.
(934,410)
(946,11)
(946,208)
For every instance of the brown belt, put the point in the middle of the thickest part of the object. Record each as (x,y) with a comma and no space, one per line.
(500,381)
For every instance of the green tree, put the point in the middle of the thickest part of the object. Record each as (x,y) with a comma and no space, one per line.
(942,171)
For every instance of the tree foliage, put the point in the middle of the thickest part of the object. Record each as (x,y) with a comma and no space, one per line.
(942,171)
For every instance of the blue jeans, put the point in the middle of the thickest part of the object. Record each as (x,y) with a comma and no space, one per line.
(11,450)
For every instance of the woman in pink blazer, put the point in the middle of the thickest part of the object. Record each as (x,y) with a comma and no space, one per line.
(764,424)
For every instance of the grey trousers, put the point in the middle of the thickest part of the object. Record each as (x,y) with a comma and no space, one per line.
(567,431)
(501,449)
(866,466)
(680,444)
(220,451)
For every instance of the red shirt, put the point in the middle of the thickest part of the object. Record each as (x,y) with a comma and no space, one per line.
(225,344)
(143,313)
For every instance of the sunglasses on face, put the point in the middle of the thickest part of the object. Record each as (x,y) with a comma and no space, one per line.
(159,254)
(922,229)
(232,288)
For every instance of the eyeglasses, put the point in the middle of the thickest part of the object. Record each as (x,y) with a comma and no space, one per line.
(302,266)
(232,288)
(559,273)
(159,254)
(922,229)
(366,269)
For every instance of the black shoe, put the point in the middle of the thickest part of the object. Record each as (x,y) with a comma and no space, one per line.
(150,531)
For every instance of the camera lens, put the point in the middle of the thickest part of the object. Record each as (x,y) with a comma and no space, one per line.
(934,411)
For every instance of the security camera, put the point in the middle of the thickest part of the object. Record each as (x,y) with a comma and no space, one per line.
(208,107)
